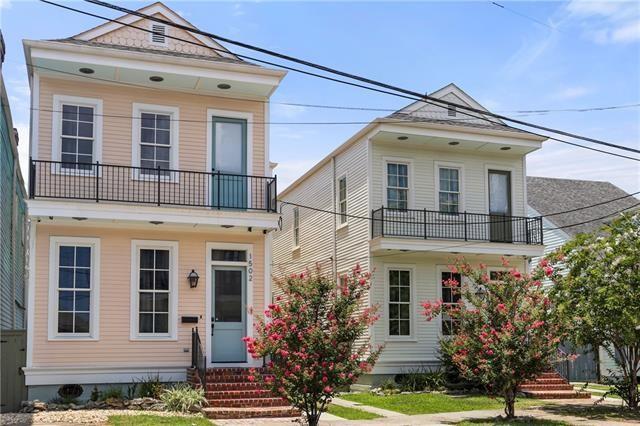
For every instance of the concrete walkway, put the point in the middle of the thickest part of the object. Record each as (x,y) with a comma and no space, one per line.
(375,410)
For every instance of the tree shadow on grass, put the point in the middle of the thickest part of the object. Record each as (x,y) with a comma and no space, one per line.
(593,411)
(520,420)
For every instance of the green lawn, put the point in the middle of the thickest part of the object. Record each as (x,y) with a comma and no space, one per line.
(151,420)
(351,413)
(600,412)
(429,403)
(516,421)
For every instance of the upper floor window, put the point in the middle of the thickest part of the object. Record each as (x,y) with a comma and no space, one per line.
(74,287)
(449,189)
(155,139)
(399,302)
(342,199)
(296,227)
(450,296)
(76,132)
(397,185)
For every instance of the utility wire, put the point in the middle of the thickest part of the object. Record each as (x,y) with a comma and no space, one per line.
(522,15)
(590,206)
(593,220)
(369,81)
(314,74)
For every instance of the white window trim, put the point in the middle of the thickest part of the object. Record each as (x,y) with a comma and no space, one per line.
(412,306)
(461,177)
(172,246)
(296,244)
(491,269)
(174,159)
(439,270)
(166,34)
(56,131)
(54,253)
(410,188)
(346,221)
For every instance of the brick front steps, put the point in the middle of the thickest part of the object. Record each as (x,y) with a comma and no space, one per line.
(551,385)
(231,395)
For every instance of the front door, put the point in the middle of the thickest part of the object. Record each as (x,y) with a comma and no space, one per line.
(229,163)
(228,314)
(500,206)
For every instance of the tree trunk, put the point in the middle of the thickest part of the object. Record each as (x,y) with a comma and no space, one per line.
(633,391)
(510,402)
(313,419)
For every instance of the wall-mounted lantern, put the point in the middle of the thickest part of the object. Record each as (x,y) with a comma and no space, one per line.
(193,279)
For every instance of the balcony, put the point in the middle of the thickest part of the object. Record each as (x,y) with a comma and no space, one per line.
(427,224)
(160,187)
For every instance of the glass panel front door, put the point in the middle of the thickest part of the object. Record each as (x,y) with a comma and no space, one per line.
(228,314)
(230,160)
(500,206)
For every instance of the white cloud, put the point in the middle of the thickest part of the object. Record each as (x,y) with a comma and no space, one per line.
(238,10)
(572,93)
(5,4)
(291,169)
(607,22)
(287,111)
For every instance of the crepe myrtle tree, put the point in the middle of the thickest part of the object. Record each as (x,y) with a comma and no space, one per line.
(314,337)
(503,333)
(597,292)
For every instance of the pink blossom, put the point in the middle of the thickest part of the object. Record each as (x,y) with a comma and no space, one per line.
(327,389)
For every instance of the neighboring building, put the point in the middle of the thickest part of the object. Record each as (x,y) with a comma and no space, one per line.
(149,165)
(13,213)
(547,196)
(434,183)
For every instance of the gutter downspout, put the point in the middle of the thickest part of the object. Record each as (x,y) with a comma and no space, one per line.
(334,262)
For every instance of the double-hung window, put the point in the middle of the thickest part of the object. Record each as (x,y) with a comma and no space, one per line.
(74,268)
(154,289)
(450,298)
(399,303)
(155,140)
(342,199)
(76,133)
(296,227)
(397,186)
(449,189)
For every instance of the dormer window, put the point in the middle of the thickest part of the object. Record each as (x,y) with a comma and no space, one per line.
(158,34)
(451,111)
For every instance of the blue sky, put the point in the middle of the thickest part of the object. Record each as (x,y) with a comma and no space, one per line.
(589,58)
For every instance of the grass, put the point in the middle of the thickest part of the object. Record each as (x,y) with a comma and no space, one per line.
(152,420)
(351,413)
(601,412)
(430,403)
(516,421)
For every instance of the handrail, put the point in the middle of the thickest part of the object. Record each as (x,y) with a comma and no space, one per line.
(427,224)
(145,185)
(198,358)
(562,365)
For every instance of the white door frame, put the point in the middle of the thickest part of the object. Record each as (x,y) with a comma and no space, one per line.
(249,298)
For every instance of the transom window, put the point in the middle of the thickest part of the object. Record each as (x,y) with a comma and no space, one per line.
(229,255)
(154,291)
(449,189)
(155,143)
(296,227)
(397,185)
(77,137)
(342,199)
(450,296)
(399,302)
(74,289)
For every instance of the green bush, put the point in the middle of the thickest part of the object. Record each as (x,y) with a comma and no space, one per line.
(111,393)
(419,380)
(150,387)
(183,398)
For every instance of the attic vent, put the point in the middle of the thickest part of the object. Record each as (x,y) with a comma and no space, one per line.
(451,111)
(158,33)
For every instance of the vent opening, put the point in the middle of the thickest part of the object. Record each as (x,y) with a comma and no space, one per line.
(451,111)
(158,33)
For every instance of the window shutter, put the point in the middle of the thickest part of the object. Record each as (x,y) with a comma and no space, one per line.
(158,33)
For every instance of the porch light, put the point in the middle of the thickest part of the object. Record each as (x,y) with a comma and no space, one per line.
(224,86)
(454,143)
(505,148)
(86,70)
(156,78)
(193,279)
(403,138)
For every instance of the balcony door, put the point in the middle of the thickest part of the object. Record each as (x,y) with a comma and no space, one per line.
(229,163)
(500,206)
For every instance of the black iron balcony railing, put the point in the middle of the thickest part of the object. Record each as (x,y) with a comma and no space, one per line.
(428,224)
(140,185)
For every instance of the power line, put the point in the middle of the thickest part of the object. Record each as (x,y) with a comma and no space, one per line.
(593,220)
(591,206)
(522,15)
(330,70)
(319,75)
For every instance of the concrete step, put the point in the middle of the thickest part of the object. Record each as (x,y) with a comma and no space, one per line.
(249,412)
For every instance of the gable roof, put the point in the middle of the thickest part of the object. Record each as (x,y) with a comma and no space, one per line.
(152,9)
(550,195)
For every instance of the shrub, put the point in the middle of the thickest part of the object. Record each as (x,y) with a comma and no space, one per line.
(183,398)
(111,393)
(66,400)
(150,387)
(95,394)
(71,391)
(621,386)
(420,380)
